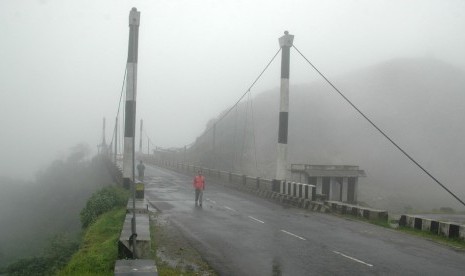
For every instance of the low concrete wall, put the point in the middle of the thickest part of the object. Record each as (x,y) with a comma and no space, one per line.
(447,229)
(237,178)
(358,211)
(265,184)
(125,244)
(142,230)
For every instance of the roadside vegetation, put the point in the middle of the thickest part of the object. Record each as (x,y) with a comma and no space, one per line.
(102,219)
(94,253)
(99,247)
(56,255)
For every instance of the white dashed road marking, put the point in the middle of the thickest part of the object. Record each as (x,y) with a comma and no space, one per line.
(230,209)
(212,201)
(353,259)
(294,235)
(257,220)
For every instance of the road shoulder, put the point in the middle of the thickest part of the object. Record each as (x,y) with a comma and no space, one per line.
(173,252)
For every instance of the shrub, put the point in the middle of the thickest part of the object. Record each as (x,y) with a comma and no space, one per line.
(102,201)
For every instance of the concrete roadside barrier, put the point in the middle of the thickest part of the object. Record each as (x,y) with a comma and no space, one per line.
(450,230)
(442,228)
(358,211)
(297,190)
(430,225)
(143,264)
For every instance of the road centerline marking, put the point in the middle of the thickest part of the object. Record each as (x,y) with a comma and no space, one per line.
(229,208)
(212,201)
(294,235)
(352,258)
(257,220)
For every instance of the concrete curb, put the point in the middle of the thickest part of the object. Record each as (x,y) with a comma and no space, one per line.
(358,211)
(143,242)
(441,228)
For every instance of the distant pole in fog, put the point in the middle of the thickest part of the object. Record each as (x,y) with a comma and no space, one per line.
(130,117)
(103,146)
(140,141)
(285,42)
(103,133)
(213,162)
(116,138)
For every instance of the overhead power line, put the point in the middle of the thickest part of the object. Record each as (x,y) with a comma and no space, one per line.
(119,103)
(380,131)
(243,95)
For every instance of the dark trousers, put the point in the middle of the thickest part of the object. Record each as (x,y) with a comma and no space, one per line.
(198,195)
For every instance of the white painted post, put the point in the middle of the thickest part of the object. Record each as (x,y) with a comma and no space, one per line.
(130,116)
(285,42)
(319,185)
(345,188)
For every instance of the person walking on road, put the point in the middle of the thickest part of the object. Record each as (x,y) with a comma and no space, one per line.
(141,170)
(199,186)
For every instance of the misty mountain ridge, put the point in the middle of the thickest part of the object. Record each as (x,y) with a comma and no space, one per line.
(416,101)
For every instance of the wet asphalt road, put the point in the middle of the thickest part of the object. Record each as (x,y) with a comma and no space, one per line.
(240,234)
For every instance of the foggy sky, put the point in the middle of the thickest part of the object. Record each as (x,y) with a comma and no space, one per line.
(63,61)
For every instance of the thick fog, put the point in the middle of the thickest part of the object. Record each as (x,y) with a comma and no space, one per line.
(63,61)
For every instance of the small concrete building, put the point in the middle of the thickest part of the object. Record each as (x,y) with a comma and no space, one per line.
(334,182)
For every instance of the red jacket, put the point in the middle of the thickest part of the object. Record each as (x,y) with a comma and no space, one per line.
(199,182)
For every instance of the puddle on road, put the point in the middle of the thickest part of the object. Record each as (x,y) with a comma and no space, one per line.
(162,205)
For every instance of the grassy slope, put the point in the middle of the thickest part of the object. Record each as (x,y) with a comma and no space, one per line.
(99,248)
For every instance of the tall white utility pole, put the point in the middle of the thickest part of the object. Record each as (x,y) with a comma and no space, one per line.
(285,42)
(130,115)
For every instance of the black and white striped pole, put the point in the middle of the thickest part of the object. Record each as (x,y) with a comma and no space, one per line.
(131,91)
(285,42)
(130,116)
